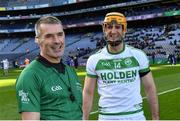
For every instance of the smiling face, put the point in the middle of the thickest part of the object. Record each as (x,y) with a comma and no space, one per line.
(51,41)
(114,32)
(114,28)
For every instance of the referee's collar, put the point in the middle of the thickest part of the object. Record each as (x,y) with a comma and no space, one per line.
(60,67)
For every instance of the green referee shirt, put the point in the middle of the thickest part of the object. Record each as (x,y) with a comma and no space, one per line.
(44,88)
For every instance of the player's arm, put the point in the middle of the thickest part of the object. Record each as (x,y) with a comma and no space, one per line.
(150,90)
(88,94)
(30,116)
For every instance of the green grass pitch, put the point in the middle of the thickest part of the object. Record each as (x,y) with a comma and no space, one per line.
(167,79)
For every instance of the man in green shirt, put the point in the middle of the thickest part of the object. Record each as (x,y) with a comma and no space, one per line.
(48,89)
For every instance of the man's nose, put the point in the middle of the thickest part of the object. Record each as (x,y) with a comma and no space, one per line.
(57,39)
(113,30)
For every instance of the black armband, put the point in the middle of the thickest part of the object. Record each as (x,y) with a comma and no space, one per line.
(144,73)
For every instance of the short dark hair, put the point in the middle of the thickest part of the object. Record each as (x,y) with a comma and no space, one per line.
(45,20)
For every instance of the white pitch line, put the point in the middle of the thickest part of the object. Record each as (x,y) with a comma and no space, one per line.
(161,93)
(164,92)
(94,112)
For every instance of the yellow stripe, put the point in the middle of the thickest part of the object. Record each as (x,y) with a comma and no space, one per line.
(7,82)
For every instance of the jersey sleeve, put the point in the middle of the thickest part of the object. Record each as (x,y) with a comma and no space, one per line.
(143,62)
(90,68)
(28,92)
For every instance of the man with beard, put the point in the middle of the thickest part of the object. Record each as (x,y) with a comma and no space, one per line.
(48,89)
(118,69)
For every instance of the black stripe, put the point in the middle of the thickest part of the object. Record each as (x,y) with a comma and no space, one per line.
(144,73)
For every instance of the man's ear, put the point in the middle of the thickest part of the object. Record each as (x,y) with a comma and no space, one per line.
(37,40)
(125,32)
(103,27)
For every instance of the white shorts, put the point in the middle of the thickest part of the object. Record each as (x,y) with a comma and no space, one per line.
(136,117)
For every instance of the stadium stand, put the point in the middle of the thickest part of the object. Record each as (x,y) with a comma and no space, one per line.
(152,26)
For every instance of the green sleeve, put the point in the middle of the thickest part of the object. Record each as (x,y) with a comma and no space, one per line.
(28,92)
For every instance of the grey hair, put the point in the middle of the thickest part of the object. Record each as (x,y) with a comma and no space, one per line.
(45,20)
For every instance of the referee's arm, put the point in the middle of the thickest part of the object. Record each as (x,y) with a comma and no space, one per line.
(30,116)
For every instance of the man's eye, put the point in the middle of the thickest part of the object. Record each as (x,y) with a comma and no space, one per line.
(60,34)
(117,27)
(48,36)
(109,26)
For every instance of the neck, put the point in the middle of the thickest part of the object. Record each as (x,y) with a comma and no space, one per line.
(51,59)
(115,49)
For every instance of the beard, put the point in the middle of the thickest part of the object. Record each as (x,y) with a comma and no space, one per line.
(119,41)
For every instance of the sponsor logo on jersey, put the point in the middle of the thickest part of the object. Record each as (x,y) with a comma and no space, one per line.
(119,76)
(56,88)
(24,96)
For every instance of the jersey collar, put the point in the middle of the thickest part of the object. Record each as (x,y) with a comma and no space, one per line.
(117,52)
(60,67)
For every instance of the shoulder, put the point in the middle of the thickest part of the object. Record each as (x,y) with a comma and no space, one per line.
(32,70)
(33,74)
(34,66)
(69,68)
(138,54)
(99,54)
(135,51)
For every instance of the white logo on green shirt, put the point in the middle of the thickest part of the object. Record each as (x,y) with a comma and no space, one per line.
(128,61)
(56,88)
(24,96)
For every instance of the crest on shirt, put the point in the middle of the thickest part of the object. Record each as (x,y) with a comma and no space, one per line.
(128,61)
(24,96)
(56,88)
